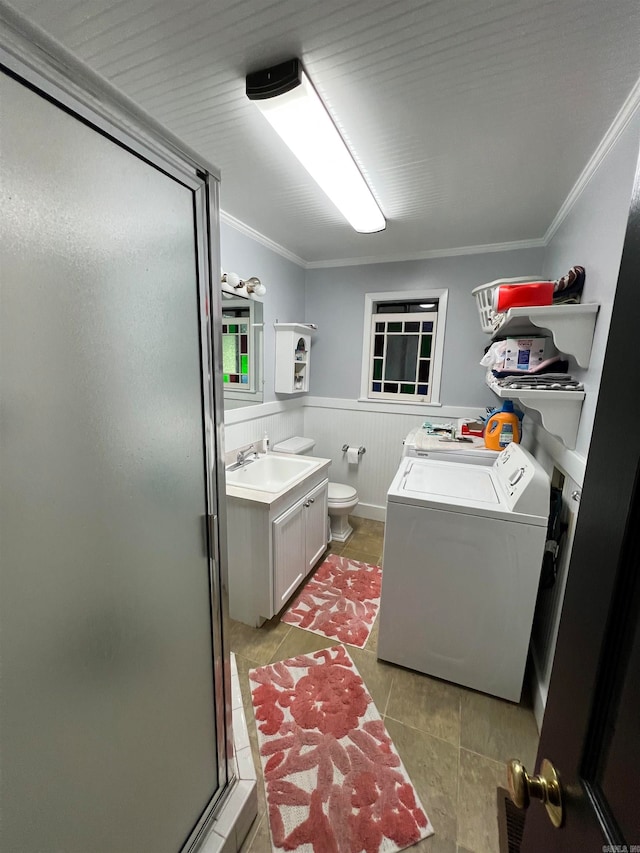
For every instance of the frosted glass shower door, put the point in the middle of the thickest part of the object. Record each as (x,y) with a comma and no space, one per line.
(108,737)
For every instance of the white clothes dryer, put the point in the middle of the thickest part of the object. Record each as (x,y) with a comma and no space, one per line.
(463,550)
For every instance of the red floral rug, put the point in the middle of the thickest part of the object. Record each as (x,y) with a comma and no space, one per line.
(340,601)
(333,779)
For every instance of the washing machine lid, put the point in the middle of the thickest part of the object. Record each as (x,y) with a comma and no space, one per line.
(460,487)
(451,482)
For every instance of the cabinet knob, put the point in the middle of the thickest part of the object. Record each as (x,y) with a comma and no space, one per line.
(306,503)
(311,500)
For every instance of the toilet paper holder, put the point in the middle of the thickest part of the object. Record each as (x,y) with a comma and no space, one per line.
(361,449)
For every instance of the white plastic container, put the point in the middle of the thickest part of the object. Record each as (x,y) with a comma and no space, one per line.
(484,297)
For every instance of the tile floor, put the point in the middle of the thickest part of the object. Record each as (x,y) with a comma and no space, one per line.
(454,742)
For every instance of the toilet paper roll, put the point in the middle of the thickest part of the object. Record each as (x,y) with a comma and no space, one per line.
(353,457)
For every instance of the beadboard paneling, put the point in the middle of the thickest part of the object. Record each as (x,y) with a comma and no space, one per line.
(381,433)
(277,426)
(471,121)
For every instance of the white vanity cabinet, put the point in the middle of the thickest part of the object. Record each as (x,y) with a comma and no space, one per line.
(273,542)
(299,538)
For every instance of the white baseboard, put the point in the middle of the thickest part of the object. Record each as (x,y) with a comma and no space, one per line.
(372,511)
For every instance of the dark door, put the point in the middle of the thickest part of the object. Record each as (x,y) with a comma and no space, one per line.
(591,730)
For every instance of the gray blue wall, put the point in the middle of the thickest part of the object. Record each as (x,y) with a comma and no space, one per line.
(284,280)
(592,235)
(335,301)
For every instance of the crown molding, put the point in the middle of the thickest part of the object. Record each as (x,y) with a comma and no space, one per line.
(375,259)
(240,226)
(617,126)
(535,243)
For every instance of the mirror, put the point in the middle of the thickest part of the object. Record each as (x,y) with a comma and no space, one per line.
(242,336)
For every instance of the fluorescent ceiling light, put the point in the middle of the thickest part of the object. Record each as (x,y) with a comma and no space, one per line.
(285,96)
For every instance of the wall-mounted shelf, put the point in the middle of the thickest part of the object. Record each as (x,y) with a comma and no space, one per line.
(293,346)
(571,326)
(559,410)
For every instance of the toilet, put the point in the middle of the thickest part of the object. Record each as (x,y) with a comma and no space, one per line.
(342,499)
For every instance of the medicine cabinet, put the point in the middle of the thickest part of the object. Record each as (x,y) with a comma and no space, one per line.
(293,352)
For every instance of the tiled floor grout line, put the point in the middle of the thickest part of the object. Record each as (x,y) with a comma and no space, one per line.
(422,731)
(260,818)
(486,757)
(386,704)
(458,800)
(275,652)
(254,663)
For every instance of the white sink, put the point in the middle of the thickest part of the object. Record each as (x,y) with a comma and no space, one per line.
(270,473)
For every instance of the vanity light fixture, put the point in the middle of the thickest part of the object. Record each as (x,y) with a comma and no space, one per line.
(287,99)
(232,283)
(254,285)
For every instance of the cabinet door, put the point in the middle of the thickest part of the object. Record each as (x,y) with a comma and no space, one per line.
(316,524)
(288,553)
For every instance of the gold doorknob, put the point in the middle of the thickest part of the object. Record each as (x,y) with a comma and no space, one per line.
(544,787)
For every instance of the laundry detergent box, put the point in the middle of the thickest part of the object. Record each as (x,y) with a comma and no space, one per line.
(526,353)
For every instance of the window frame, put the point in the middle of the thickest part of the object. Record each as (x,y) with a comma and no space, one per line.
(373,299)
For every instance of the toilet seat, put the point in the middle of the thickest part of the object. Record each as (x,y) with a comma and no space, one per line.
(339,493)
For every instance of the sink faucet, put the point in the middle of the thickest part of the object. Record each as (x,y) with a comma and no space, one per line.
(243,455)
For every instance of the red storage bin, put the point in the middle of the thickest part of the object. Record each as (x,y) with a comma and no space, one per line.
(522,295)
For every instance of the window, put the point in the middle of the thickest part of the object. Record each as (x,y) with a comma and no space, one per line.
(235,348)
(239,351)
(403,339)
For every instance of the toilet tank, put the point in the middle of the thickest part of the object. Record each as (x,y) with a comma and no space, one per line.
(296,444)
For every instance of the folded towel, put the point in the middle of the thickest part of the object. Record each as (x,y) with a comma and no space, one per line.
(569,288)
(548,382)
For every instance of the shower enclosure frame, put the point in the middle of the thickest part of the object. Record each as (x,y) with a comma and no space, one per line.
(31,57)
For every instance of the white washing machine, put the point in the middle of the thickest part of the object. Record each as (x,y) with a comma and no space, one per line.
(463,550)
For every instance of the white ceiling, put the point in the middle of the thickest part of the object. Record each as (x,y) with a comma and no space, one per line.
(471,119)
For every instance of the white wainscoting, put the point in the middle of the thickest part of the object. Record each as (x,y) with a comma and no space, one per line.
(335,422)
(277,420)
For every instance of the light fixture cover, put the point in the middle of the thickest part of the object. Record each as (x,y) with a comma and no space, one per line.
(286,97)
(233,284)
